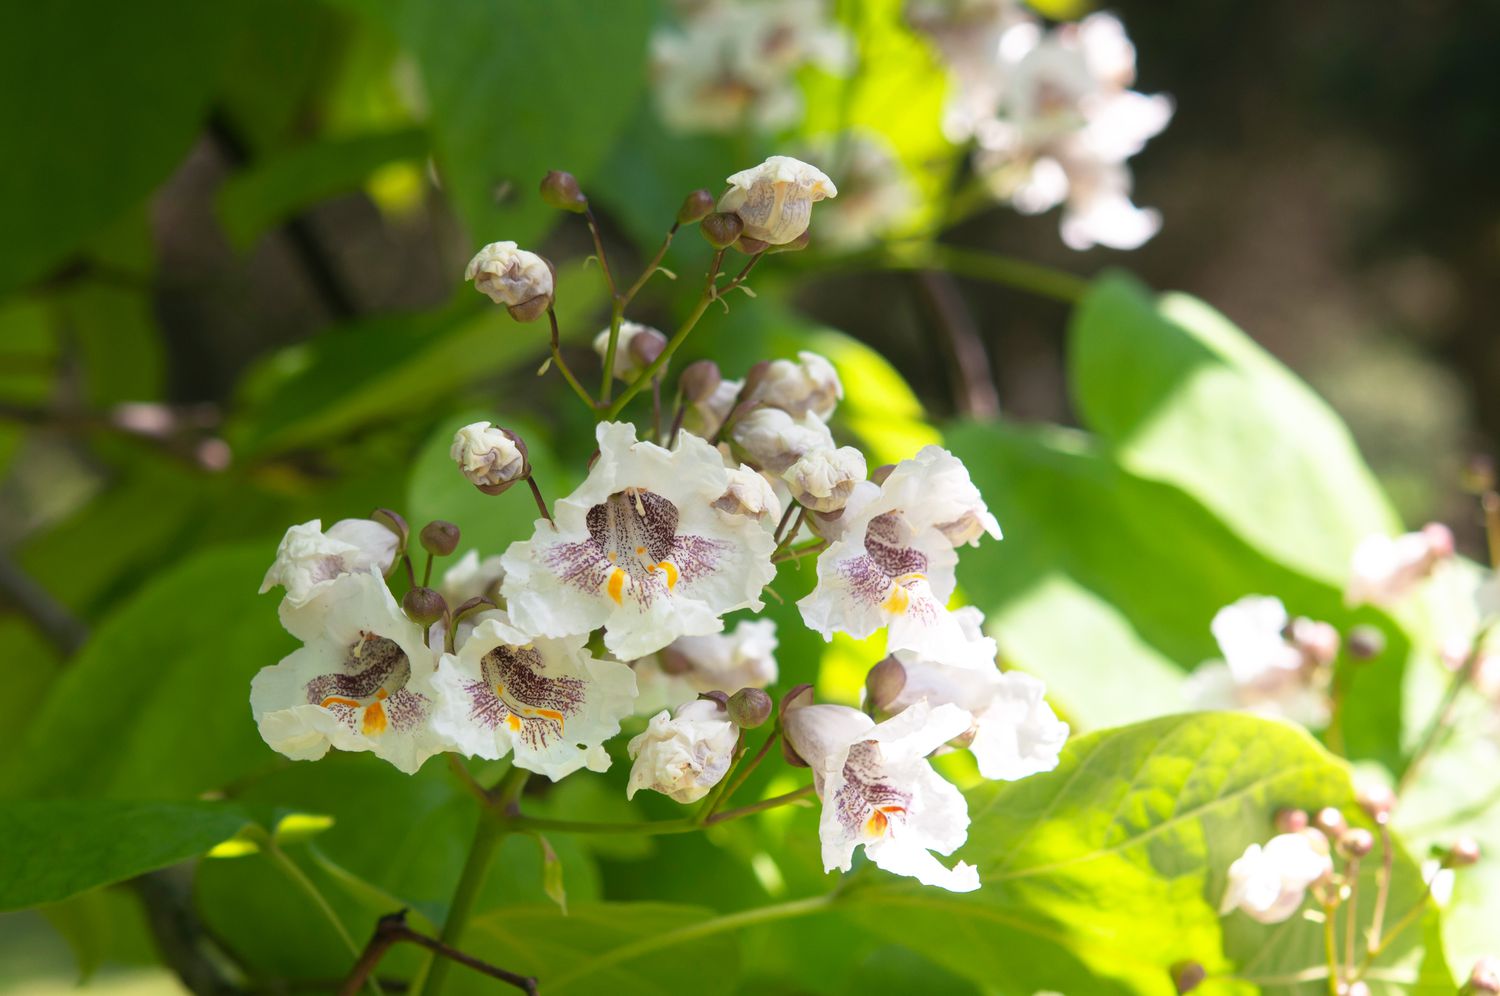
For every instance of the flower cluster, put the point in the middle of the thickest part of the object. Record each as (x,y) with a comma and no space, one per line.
(613,610)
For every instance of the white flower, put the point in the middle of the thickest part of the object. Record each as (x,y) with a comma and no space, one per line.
(775,199)
(514,277)
(1064,126)
(308,559)
(361,682)
(1269,883)
(1263,670)
(629,363)
(489,456)
(967,34)
(546,701)
(1384,569)
(749,494)
(704,417)
(892,563)
(808,385)
(822,480)
(733,65)
(745,657)
(683,754)
(471,577)
(1014,731)
(774,440)
(879,790)
(640,549)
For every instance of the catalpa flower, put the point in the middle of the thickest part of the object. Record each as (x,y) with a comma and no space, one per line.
(1386,569)
(892,563)
(684,753)
(1269,883)
(1013,732)
(775,199)
(745,657)
(807,385)
(308,559)
(361,682)
(641,548)
(880,792)
(774,440)
(1272,665)
(546,701)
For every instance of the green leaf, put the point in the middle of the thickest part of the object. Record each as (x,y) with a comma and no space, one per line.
(1186,398)
(1106,583)
(157,703)
(277,188)
(1100,875)
(56,849)
(627,949)
(122,88)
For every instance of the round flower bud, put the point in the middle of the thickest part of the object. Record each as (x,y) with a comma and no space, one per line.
(439,537)
(721,229)
(775,199)
(809,384)
(1187,976)
(1318,641)
(395,523)
(635,349)
(773,440)
(1331,822)
(1365,643)
(695,207)
(1485,978)
(1290,820)
(1378,801)
(520,280)
(491,458)
(1357,843)
(749,708)
(423,606)
(749,493)
(560,190)
(823,479)
(885,682)
(699,380)
(1464,852)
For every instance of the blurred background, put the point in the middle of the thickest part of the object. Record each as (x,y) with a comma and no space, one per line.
(231,296)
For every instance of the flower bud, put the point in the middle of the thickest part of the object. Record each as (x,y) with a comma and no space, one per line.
(1318,641)
(636,348)
(560,190)
(695,207)
(395,523)
(1290,820)
(439,537)
(884,683)
(423,606)
(749,708)
(823,479)
(683,754)
(699,380)
(1464,852)
(1187,976)
(1378,802)
(646,347)
(810,384)
(1331,822)
(721,229)
(1484,979)
(772,440)
(775,199)
(520,280)
(749,493)
(1356,843)
(491,458)
(1365,643)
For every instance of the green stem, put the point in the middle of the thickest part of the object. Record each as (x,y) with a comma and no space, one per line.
(650,269)
(297,875)
(562,365)
(616,314)
(686,824)
(1330,950)
(1018,273)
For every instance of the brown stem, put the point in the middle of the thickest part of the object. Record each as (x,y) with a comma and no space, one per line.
(609,279)
(52,618)
(392,929)
(536,493)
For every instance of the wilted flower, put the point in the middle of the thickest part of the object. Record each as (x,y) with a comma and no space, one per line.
(636,348)
(775,199)
(1266,669)
(491,458)
(773,440)
(744,657)
(1386,569)
(684,753)
(749,493)
(640,549)
(361,682)
(733,65)
(546,701)
(513,277)
(1269,883)
(879,790)
(309,559)
(822,480)
(893,561)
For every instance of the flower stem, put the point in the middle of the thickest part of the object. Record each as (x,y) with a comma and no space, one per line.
(541,502)
(609,278)
(1330,949)
(1009,271)
(607,386)
(562,364)
(650,269)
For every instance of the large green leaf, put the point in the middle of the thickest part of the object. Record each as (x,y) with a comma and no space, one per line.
(100,102)
(59,848)
(1102,874)
(1106,583)
(1187,398)
(157,703)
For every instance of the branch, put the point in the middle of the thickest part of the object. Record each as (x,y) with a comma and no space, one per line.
(392,929)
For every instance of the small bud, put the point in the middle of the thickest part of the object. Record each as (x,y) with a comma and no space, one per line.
(1378,802)
(751,247)
(439,538)
(560,190)
(424,606)
(1356,843)
(695,207)
(749,708)
(646,347)
(879,474)
(716,696)
(1290,820)
(1485,979)
(491,458)
(395,523)
(1464,852)
(721,229)
(885,682)
(1318,641)
(636,347)
(1187,976)
(1365,643)
(1331,822)
(699,381)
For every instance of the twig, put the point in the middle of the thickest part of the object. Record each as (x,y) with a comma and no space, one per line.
(392,929)
(968,362)
(54,619)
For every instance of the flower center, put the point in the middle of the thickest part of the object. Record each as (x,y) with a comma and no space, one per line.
(635,530)
(375,669)
(867,806)
(515,691)
(891,567)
